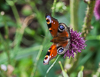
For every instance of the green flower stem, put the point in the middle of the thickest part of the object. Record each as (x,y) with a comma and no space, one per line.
(73,14)
(54,7)
(86,28)
(15,12)
(36,63)
(18,35)
(73,19)
(5,40)
(75,63)
(40,17)
(61,65)
(38,56)
(7,47)
(52,65)
(16,15)
(87,20)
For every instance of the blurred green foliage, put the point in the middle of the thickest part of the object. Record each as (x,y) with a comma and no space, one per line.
(27,54)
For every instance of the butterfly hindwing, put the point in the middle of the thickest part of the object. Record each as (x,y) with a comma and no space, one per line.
(64,36)
(51,53)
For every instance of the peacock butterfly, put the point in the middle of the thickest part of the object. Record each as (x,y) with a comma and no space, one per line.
(61,38)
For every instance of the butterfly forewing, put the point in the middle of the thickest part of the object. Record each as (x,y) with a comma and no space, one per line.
(52,25)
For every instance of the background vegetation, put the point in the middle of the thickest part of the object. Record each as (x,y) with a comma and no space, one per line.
(25,39)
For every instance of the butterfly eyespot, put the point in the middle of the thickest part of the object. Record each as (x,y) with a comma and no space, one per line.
(48,19)
(61,27)
(60,50)
(45,57)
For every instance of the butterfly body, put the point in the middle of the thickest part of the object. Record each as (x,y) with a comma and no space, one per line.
(61,38)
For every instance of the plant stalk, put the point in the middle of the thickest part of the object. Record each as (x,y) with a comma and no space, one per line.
(86,28)
(54,7)
(74,14)
(87,20)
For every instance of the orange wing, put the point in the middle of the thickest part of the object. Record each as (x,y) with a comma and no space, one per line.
(52,25)
(51,53)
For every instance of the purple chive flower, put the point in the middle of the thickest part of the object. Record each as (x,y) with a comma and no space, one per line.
(97,10)
(76,45)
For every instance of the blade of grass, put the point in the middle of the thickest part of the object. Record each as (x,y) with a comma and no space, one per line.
(5,44)
(5,41)
(51,66)
(24,53)
(40,20)
(19,34)
(36,63)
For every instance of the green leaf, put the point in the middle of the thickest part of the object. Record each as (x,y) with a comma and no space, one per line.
(24,53)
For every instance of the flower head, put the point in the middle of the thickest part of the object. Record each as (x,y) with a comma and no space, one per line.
(97,10)
(76,45)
